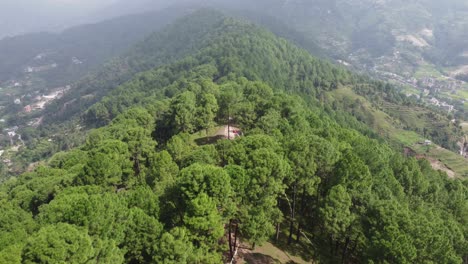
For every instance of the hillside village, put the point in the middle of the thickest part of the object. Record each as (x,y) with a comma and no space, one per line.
(21,102)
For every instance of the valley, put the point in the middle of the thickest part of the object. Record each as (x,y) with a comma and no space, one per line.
(25,97)
(42,74)
(437,88)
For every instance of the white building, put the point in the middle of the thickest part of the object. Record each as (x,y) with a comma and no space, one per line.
(435,101)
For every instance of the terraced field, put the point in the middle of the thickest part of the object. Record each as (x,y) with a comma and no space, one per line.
(415,116)
(428,70)
(381,121)
(394,131)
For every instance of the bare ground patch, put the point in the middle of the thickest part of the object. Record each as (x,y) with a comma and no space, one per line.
(462,70)
(266,254)
(414,40)
(438,165)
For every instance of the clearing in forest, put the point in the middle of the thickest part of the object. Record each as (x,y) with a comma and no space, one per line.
(267,254)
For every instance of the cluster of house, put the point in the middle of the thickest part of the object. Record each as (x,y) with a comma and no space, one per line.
(342,62)
(31,69)
(443,105)
(11,131)
(76,61)
(426,142)
(12,134)
(429,84)
(6,161)
(13,84)
(41,101)
(445,84)
(435,102)
(413,82)
(46,67)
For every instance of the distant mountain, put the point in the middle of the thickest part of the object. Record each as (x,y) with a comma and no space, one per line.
(344,26)
(377,37)
(123,7)
(25,16)
(419,45)
(90,45)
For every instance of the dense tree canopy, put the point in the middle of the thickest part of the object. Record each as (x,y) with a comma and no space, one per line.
(144,188)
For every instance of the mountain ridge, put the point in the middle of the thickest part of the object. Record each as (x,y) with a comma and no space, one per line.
(165,48)
(143,189)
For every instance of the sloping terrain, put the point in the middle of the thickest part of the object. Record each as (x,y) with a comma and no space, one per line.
(391,128)
(159,49)
(37,65)
(141,189)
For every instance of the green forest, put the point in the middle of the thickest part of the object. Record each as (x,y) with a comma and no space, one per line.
(143,187)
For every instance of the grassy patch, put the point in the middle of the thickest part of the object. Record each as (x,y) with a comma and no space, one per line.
(463,94)
(465,127)
(428,70)
(407,137)
(268,254)
(204,133)
(381,122)
(407,89)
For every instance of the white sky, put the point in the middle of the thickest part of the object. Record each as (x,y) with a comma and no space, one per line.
(64,5)
(78,3)
(21,16)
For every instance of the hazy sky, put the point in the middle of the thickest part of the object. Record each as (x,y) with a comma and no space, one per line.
(84,4)
(17,5)
(21,16)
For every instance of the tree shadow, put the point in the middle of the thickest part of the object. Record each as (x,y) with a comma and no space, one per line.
(258,258)
(300,249)
(208,140)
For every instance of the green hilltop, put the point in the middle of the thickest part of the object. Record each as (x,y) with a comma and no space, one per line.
(309,173)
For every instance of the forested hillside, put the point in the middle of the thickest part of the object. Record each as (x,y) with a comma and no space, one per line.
(61,116)
(154,185)
(41,74)
(180,39)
